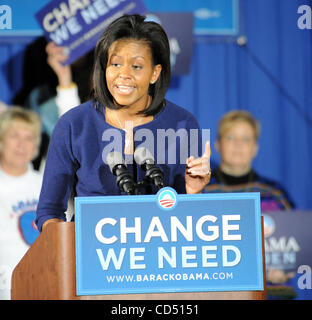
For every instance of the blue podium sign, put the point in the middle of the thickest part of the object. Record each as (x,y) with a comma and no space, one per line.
(168,243)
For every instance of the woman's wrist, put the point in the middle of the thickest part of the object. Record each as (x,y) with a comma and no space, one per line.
(64,76)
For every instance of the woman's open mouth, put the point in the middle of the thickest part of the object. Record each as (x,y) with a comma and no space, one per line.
(122,89)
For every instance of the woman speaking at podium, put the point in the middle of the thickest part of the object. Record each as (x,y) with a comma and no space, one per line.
(131,75)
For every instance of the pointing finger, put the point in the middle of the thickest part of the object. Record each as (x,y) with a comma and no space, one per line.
(207,152)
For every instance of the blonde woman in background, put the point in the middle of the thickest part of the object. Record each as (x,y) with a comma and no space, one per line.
(20,184)
(237,144)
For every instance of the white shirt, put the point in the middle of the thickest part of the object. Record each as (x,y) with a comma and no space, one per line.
(66,99)
(18,202)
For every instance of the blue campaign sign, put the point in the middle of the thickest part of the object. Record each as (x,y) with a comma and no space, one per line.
(168,243)
(179,28)
(21,17)
(287,239)
(211,17)
(77,25)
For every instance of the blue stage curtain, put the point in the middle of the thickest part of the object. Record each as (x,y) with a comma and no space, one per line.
(271,77)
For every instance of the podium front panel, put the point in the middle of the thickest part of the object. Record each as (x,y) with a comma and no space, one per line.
(168,243)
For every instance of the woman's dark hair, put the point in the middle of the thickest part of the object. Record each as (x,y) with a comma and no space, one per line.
(133,27)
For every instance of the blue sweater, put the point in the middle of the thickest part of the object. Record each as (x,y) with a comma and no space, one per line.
(82,139)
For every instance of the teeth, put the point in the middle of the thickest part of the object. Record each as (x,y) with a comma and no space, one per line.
(124,88)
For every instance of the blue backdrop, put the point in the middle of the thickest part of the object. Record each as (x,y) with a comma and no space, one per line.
(271,77)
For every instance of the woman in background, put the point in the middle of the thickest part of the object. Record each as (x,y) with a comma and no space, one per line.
(20,184)
(50,88)
(237,144)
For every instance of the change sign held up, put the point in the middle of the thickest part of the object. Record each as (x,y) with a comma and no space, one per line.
(78,24)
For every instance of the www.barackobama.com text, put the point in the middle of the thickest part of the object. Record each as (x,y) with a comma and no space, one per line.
(170,277)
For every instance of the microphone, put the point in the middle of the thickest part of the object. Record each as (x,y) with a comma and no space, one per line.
(145,159)
(118,167)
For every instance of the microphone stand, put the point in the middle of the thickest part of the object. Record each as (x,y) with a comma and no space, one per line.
(142,185)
